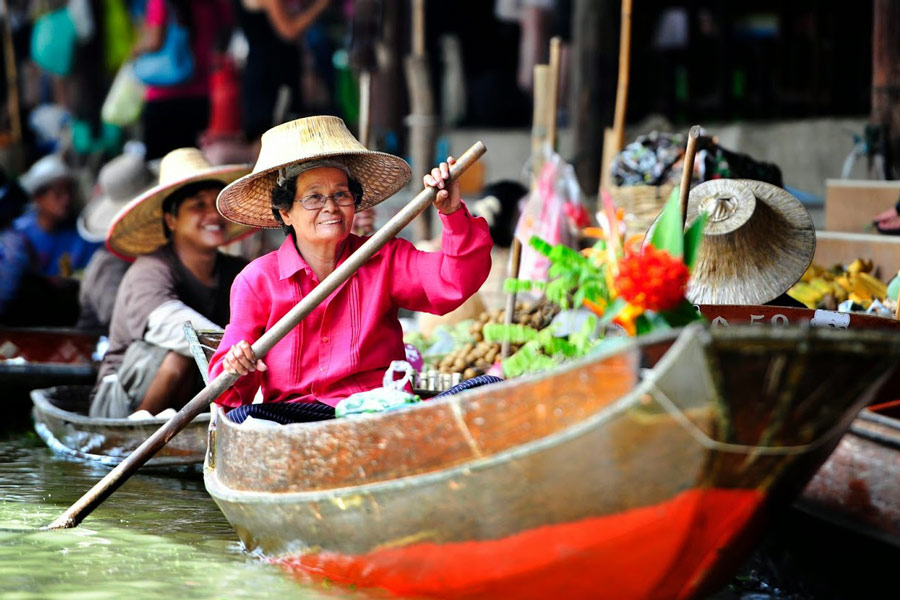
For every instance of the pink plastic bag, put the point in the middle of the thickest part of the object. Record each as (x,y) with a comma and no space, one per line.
(553,212)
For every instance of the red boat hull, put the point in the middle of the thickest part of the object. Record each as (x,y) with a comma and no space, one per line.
(660,551)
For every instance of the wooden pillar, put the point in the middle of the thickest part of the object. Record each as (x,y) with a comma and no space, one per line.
(886,78)
(422,120)
(592,97)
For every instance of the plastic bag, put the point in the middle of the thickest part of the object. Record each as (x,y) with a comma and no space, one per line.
(390,396)
(125,100)
(82,18)
(173,64)
(53,42)
(547,214)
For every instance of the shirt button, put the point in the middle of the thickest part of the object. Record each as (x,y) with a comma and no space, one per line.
(325,339)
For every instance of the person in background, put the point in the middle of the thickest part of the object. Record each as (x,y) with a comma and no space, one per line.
(174,232)
(50,226)
(311,179)
(174,116)
(122,179)
(15,258)
(273,60)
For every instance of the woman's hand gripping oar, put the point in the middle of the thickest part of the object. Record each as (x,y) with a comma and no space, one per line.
(111,482)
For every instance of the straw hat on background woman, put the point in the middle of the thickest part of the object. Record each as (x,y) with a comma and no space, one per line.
(311,177)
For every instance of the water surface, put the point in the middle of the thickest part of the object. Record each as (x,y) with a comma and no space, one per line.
(158,536)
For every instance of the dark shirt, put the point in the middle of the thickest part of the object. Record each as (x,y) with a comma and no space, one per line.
(99,285)
(155,279)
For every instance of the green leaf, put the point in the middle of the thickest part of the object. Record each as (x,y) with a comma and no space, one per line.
(642,324)
(681,315)
(893,287)
(540,245)
(693,237)
(669,232)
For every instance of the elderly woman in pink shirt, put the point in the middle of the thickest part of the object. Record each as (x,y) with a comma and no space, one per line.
(312,176)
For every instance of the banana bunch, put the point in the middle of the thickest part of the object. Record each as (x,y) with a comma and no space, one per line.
(822,288)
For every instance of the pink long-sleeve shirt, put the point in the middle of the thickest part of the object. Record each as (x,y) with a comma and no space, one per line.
(345,345)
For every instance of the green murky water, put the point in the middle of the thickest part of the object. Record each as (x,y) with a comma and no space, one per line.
(158,536)
(161,536)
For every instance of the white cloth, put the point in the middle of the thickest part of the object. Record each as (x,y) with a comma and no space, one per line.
(164,326)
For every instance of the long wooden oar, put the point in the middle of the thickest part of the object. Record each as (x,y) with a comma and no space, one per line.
(111,482)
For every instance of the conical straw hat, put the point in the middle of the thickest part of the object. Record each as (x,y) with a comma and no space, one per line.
(757,242)
(138,228)
(249,199)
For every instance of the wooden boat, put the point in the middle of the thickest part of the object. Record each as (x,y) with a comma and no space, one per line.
(724,315)
(61,420)
(859,486)
(32,357)
(642,472)
(38,354)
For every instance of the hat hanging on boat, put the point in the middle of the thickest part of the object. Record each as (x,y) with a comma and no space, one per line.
(757,242)
(44,172)
(138,228)
(249,199)
(120,181)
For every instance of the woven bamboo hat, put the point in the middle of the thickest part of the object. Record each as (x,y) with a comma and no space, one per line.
(757,242)
(138,228)
(249,199)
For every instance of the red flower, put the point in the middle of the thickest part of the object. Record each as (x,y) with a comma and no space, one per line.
(651,279)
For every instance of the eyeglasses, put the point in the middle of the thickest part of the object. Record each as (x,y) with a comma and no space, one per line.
(317,201)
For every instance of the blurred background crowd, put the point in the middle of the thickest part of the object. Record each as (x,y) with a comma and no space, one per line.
(84,123)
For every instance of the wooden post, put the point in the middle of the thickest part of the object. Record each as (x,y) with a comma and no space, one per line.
(365,107)
(418,27)
(553,100)
(886,78)
(421,121)
(614,139)
(688,172)
(12,77)
(540,118)
(592,76)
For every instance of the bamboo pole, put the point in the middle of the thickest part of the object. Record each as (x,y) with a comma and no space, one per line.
(365,107)
(688,172)
(115,478)
(418,28)
(539,138)
(614,139)
(421,121)
(553,100)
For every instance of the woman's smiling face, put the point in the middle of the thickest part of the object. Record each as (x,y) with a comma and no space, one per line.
(330,224)
(197,223)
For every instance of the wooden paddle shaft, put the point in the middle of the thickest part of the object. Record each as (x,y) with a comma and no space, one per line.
(111,482)
(688,172)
